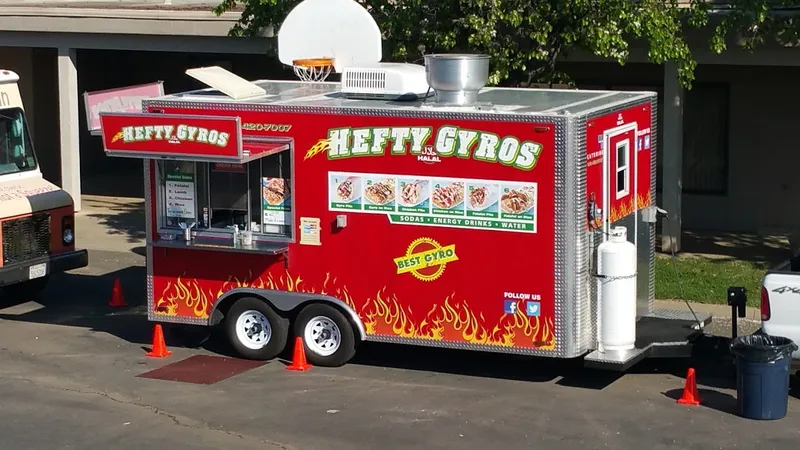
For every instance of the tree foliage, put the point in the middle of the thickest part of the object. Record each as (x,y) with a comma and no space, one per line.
(525,38)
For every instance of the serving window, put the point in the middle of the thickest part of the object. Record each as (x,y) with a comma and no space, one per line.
(217,196)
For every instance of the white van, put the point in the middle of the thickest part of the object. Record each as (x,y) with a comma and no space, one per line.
(37,218)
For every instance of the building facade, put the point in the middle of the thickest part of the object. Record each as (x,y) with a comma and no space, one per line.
(726,147)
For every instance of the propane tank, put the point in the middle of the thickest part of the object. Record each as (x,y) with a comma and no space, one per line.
(616,268)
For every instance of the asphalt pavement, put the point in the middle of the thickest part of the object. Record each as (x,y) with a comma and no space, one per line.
(69,380)
(47,416)
(71,366)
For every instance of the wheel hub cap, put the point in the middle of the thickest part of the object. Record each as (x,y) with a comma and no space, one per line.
(253,329)
(322,336)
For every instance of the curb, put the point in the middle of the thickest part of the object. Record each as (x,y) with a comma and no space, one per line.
(718,311)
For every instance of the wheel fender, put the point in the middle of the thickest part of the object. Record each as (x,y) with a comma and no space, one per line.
(288,301)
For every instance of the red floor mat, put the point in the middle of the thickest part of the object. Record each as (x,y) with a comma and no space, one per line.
(202,369)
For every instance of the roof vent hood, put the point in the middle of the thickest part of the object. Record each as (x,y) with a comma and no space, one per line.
(456,78)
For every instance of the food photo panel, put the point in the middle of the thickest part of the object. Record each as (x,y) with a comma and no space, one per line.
(518,201)
(344,191)
(414,196)
(379,193)
(482,199)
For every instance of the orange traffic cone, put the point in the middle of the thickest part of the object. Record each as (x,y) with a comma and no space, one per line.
(159,349)
(117,297)
(299,361)
(690,395)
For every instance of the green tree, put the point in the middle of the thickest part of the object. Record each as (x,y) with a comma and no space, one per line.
(525,38)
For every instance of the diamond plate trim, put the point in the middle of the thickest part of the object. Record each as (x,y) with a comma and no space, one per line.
(465,346)
(564,250)
(583,262)
(576,301)
(345,111)
(617,357)
(653,186)
(148,228)
(595,238)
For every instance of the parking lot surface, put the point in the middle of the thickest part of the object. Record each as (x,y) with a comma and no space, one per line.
(71,366)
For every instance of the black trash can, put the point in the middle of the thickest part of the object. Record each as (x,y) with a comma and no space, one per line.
(762,375)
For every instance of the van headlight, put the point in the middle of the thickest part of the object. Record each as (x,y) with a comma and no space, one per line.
(67,230)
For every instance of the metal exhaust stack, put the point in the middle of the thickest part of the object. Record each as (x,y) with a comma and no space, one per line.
(456,78)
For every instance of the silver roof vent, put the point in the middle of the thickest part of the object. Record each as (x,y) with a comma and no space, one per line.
(456,78)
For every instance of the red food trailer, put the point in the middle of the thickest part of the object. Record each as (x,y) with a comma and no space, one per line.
(400,206)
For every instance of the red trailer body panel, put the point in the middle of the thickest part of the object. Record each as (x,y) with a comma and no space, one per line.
(415,271)
(619,188)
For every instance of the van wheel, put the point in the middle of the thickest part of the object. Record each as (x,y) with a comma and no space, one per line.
(328,336)
(255,330)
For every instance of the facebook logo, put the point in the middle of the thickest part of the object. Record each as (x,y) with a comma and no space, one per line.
(510,307)
(532,309)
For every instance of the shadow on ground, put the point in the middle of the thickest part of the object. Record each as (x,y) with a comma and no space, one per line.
(750,247)
(90,310)
(121,219)
(117,177)
(719,401)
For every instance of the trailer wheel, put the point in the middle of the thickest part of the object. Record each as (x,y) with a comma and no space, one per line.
(328,336)
(255,330)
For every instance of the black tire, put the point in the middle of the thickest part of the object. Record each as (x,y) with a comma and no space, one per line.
(347,342)
(278,335)
(27,290)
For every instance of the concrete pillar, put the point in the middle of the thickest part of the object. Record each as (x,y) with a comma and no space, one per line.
(68,123)
(45,117)
(672,160)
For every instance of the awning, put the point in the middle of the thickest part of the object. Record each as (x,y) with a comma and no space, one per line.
(182,137)
(252,150)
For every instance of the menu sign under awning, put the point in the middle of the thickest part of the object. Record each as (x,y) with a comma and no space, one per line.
(180,195)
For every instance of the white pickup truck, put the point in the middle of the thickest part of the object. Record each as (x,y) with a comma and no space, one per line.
(780,303)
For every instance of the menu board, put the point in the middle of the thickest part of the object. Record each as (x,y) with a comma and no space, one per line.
(275,201)
(180,195)
(434,201)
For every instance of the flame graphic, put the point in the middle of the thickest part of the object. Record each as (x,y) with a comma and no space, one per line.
(628,207)
(454,321)
(116,137)
(167,305)
(321,146)
(190,294)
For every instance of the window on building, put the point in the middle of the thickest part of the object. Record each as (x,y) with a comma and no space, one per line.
(623,168)
(705,139)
